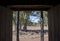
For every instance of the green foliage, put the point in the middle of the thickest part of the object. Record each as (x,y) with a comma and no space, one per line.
(25,15)
(15,16)
(45,15)
(31,23)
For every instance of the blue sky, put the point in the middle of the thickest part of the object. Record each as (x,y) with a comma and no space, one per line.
(34,18)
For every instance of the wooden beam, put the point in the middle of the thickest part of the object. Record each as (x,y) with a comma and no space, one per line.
(17,27)
(30,7)
(24,9)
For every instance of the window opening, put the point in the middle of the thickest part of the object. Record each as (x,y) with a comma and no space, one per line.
(30,26)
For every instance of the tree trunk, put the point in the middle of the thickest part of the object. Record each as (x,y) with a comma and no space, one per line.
(42,27)
(20,27)
(25,25)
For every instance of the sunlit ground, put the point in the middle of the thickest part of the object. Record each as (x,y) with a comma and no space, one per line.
(31,36)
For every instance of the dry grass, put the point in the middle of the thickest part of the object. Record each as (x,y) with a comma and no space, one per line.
(30,36)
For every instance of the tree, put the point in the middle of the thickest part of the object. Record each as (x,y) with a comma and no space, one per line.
(45,15)
(26,17)
(14,19)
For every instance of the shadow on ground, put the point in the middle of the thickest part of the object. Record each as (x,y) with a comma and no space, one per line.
(36,31)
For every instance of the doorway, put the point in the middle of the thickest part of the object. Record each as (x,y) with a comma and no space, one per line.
(30,26)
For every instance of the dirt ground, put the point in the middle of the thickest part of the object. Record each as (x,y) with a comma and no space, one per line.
(30,36)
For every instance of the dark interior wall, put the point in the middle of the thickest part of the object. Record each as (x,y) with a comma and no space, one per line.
(54,23)
(5,24)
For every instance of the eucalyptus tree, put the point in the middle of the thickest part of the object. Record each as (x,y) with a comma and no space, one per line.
(24,19)
(14,19)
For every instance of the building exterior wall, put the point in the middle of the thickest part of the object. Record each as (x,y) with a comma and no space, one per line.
(5,24)
(54,23)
